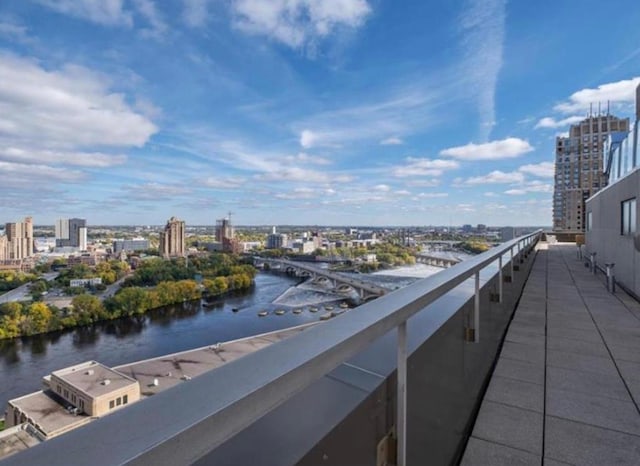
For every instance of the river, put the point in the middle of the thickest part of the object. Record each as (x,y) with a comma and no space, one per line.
(24,361)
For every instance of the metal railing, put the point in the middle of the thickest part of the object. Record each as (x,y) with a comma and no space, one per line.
(250,387)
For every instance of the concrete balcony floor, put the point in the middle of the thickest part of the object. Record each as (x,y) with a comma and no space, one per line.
(566,386)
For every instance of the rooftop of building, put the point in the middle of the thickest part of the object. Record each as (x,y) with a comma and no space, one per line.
(566,386)
(48,412)
(93,378)
(174,369)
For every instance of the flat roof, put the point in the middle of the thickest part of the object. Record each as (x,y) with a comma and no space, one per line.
(16,441)
(173,369)
(93,378)
(48,413)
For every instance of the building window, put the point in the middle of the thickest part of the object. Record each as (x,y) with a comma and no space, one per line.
(125,399)
(66,394)
(112,404)
(118,401)
(629,217)
(59,389)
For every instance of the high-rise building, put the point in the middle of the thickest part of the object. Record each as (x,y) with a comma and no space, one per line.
(613,227)
(62,229)
(225,235)
(276,240)
(579,169)
(71,232)
(18,242)
(172,239)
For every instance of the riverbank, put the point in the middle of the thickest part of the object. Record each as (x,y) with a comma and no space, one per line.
(86,309)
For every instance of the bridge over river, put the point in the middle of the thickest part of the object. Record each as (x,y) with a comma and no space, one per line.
(340,282)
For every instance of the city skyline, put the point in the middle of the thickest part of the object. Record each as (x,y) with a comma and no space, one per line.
(330,113)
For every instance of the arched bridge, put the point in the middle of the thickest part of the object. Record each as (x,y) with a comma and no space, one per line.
(341,283)
(436,260)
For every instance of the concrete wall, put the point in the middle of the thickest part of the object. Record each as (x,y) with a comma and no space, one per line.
(605,238)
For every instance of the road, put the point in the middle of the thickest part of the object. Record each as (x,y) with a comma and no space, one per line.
(22,292)
(113,288)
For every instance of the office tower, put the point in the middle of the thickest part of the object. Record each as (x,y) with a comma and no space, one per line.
(579,169)
(71,232)
(172,241)
(19,240)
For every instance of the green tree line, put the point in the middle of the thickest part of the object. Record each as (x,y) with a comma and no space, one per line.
(160,285)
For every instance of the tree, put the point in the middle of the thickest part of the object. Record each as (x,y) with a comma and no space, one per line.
(87,309)
(39,317)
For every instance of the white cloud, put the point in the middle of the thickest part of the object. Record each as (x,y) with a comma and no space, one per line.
(432,183)
(564,134)
(228,182)
(549,122)
(432,195)
(298,193)
(298,23)
(155,191)
(424,167)
(26,176)
(494,150)
(43,156)
(530,187)
(69,107)
(308,138)
(495,177)
(195,12)
(106,12)
(542,169)
(619,92)
(302,175)
(483,28)
(15,32)
(384,188)
(391,141)
(402,192)
(306,158)
(157,26)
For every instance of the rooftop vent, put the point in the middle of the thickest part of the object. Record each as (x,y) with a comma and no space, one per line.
(106,382)
(89,372)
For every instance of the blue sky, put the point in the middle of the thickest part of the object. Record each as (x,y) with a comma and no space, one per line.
(329,112)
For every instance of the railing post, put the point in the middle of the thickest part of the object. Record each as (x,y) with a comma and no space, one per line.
(401,421)
(512,267)
(611,280)
(500,279)
(592,260)
(476,310)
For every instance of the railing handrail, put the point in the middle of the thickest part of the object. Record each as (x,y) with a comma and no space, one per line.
(215,406)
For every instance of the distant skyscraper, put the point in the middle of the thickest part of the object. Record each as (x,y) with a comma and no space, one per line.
(172,239)
(276,240)
(71,232)
(18,242)
(579,169)
(62,229)
(225,235)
